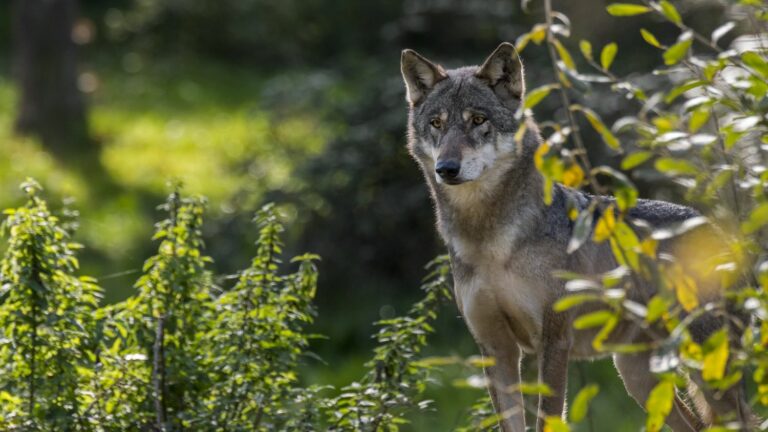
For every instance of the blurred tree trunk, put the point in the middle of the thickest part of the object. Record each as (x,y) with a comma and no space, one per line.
(50,104)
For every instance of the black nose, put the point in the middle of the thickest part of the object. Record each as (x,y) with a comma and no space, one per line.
(448,169)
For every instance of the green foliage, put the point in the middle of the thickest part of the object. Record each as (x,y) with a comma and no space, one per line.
(481,418)
(395,378)
(151,347)
(257,337)
(184,353)
(704,129)
(188,351)
(46,317)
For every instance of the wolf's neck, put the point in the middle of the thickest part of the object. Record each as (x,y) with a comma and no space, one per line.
(509,196)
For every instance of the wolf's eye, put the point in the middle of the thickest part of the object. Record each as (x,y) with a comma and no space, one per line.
(478,120)
(436,123)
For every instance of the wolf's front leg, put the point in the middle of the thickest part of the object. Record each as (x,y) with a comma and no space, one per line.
(553,371)
(503,378)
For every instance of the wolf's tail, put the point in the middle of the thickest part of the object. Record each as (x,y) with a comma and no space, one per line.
(699,402)
(707,413)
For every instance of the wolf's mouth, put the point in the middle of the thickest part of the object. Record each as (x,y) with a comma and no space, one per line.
(453,182)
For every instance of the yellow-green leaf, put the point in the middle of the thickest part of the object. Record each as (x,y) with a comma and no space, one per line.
(536,95)
(657,307)
(659,404)
(624,245)
(650,38)
(602,335)
(573,175)
(686,289)
(608,54)
(597,124)
(548,185)
(538,33)
(626,9)
(623,189)
(586,49)
(676,52)
(715,356)
(574,300)
(537,388)
(481,362)
(605,226)
(677,91)
(635,159)
(540,154)
(592,319)
(757,219)
(491,421)
(756,62)
(565,56)
(669,11)
(580,404)
(699,118)
(674,166)
(555,424)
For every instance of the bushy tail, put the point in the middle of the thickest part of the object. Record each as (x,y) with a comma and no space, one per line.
(707,413)
(700,405)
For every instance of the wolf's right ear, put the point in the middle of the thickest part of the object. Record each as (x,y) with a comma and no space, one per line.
(503,72)
(420,75)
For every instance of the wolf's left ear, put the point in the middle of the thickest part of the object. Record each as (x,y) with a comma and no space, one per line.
(503,71)
(420,75)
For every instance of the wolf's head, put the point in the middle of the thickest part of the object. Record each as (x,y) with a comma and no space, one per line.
(462,122)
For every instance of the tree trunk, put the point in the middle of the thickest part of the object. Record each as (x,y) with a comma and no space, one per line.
(50,105)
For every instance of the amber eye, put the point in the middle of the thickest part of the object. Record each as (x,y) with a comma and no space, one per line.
(478,120)
(436,123)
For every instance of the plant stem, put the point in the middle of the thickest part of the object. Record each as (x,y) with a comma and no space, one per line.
(566,101)
(158,374)
(33,348)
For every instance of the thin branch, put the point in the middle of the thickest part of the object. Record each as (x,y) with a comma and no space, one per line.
(616,80)
(702,39)
(566,101)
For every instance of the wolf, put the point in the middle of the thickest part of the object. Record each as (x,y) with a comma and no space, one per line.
(505,243)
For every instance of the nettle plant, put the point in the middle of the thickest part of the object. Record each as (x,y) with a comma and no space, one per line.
(47,323)
(703,127)
(184,353)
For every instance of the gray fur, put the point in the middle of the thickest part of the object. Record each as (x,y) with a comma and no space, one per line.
(504,242)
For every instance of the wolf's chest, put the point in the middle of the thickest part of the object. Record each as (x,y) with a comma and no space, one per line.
(496,299)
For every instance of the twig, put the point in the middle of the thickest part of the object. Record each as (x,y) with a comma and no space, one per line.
(566,101)
(702,39)
(615,80)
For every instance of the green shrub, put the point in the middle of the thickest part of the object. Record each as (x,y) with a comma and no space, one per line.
(184,353)
(702,127)
(47,326)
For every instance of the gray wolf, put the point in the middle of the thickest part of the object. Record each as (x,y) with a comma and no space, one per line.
(505,243)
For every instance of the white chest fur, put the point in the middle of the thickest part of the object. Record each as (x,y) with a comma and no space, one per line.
(496,300)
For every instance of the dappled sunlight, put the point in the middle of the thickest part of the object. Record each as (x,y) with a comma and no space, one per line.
(214,156)
(24,157)
(207,132)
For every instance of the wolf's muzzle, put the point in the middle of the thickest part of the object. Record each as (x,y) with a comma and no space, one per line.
(448,169)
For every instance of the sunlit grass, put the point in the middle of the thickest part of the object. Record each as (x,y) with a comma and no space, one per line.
(176,119)
(24,157)
(200,123)
(204,127)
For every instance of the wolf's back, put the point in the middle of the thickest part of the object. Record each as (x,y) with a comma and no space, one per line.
(660,213)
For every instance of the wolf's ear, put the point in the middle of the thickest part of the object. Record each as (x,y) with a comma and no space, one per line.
(420,75)
(503,71)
